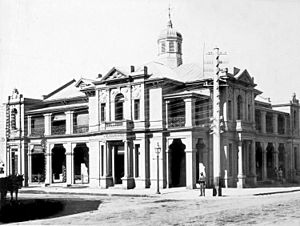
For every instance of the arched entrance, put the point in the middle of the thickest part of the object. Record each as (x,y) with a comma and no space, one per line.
(281,158)
(37,164)
(81,164)
(178,163)
(258,161)
(58,163)
(270,161)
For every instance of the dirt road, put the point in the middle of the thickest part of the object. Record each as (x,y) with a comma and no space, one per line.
(276,209)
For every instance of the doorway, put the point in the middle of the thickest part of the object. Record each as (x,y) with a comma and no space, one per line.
(59,164)
(178,163)
(119,163)
(81,164)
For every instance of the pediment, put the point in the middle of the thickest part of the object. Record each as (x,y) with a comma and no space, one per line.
(245,77)
(68,90)
(114,74)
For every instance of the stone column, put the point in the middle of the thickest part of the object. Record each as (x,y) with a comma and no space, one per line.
(69,164)
(28,125)
(190,168)
(264,160)
(127,180)
(253,163)
(48,122)
(69,122)
(275,123)
(167,102)
(168,165)
(241,176)
(30,147)
(108,160)
(263,121)
(48,156)
(108,108)
(226,155)
(106,179)
(189,112)
(113,151)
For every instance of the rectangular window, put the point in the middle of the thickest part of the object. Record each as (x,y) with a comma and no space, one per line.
(171,46)
(103,112)
(229,110)
(163,47)
(136,160)
(136,109)
(102,160)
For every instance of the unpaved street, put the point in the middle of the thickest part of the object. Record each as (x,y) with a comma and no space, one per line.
(276,209)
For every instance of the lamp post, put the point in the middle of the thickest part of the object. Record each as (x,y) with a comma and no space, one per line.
(157,151)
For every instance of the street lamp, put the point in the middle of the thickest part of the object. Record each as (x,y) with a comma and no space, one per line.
(157,151)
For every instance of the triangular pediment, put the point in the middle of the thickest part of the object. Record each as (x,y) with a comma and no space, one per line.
(245,77)
(66,91)
(114,74)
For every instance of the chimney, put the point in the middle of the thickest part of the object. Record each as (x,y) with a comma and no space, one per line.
(145,70)
(99,75)
(131,68)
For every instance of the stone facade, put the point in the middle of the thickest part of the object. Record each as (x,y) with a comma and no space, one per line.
(106,132)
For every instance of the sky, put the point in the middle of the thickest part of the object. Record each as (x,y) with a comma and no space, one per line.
(45,44)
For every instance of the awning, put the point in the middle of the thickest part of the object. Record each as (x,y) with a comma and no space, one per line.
(59,117)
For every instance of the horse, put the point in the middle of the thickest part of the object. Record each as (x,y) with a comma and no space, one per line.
(15,183)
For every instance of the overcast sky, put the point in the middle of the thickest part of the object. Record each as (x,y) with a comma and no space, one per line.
(44,44)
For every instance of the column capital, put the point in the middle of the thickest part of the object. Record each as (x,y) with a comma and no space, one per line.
(69,112)
(29,116)
(47,114)
(263,113)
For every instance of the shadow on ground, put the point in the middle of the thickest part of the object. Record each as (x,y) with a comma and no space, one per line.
(33,209)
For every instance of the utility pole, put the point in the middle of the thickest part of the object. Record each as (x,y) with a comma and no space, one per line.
(217,189)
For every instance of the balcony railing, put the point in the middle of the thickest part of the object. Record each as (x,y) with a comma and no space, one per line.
(37,131)
(243,126)
(80,128)
(58,130)
(117,125)
(175,122)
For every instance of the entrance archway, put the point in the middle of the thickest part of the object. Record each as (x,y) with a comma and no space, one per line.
(58,163)
(178,163)
(270,160)
(119,162)
(81,164)
(281,158)
(37,164)
(258,161)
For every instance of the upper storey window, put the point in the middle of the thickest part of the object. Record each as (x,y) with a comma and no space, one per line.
(163,47)
(171,46)
(179,47)
(13,118)
(239,108)
(119,107)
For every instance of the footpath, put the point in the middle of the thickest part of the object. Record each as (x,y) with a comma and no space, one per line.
(168,193)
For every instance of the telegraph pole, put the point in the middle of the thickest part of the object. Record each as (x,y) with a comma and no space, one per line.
(217,189)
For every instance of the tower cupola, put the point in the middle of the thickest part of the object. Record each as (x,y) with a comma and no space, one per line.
(170,46)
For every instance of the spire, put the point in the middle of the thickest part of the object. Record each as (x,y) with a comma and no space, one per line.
(170,21)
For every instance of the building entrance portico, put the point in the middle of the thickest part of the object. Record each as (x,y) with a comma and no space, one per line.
(58,164)
(81,164)
(177,163)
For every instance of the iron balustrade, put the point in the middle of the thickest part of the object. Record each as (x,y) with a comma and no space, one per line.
(81,128)
(175,122)
(37,131)
(58,130)
(115,125)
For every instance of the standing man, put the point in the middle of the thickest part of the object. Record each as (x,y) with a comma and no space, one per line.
(202,180)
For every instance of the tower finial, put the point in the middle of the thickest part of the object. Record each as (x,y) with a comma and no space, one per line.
(170,21)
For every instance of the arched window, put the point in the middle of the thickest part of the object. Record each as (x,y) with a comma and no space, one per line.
(239,107)
(171,46)
(163,47)
(13,118)
(119,108)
